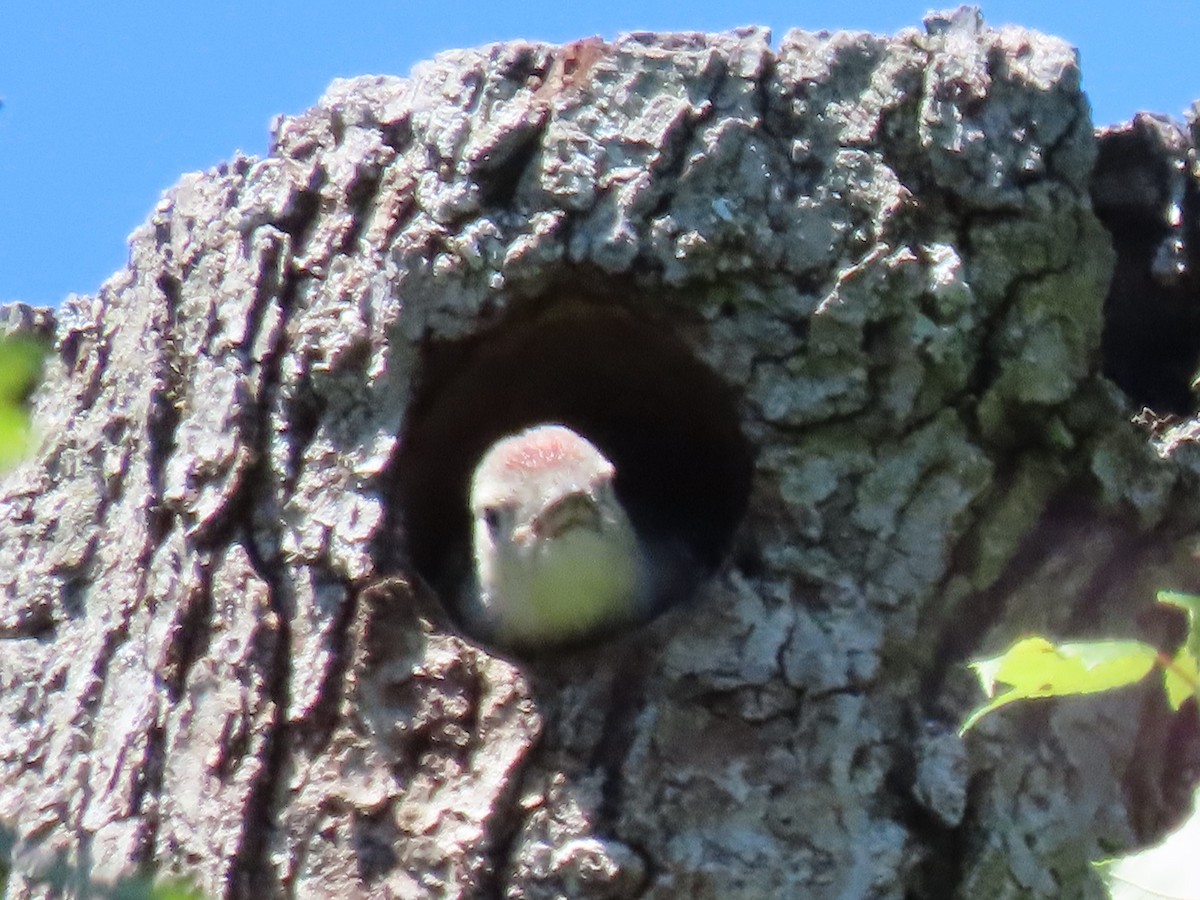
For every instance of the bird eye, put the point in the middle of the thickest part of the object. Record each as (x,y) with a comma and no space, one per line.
(491,517)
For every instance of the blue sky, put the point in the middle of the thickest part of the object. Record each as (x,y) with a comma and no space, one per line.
(106,104)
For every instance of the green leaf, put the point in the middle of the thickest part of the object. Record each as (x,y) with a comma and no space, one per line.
(1034,668)
(20,367)
(1190,604)
(1180,678)
(15,435)
(145,887)
(177,890)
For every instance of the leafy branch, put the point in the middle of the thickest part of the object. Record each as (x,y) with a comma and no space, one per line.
(61,876)
(20,370)
(1034,667)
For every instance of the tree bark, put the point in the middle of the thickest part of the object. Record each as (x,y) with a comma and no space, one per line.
(837,310)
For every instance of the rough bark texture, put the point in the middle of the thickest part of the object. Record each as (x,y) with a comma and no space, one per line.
(869,266)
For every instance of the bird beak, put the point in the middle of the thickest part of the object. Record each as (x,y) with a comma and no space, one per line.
(573,510)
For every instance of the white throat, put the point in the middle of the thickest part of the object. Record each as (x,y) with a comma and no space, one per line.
(552,589)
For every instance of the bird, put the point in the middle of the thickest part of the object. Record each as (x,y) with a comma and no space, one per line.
(556,557)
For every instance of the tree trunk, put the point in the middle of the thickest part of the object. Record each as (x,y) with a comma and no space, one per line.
(836,310)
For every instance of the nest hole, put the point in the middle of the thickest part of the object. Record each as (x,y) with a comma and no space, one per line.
(1145,196)
(669,424)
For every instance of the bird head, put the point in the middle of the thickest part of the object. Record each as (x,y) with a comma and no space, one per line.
(554,551)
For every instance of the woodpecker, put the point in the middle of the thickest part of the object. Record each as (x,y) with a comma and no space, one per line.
(556,558)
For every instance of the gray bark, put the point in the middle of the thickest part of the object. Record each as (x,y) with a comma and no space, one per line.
(838,308)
